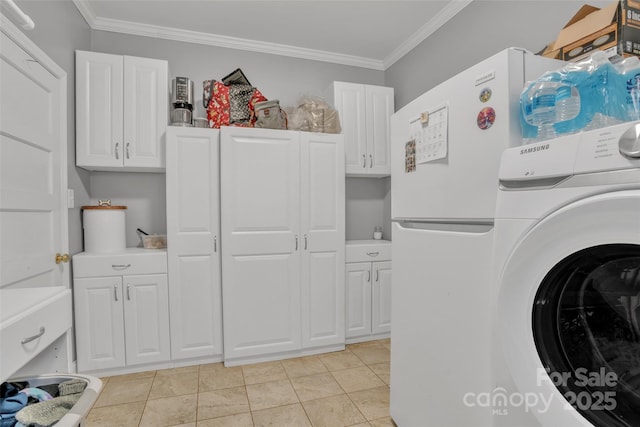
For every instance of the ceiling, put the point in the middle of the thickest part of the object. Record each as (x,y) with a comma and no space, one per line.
(372,34)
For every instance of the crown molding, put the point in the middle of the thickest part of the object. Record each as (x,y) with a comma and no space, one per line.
(186,36)
(146,30)
(441,18)
(86,11)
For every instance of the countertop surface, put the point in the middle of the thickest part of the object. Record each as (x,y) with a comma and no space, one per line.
(126,251)
(368,242)
(16,303)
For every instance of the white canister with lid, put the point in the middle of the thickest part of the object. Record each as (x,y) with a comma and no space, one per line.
(377,233)
(104,227)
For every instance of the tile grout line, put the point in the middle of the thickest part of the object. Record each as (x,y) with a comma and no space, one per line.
(147,399)
(374,373)
(298,396)
(289,377)
(197,395)
(246,393)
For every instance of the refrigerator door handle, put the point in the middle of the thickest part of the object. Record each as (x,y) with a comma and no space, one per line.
(476,226)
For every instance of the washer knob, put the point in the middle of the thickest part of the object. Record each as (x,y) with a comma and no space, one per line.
(629,143)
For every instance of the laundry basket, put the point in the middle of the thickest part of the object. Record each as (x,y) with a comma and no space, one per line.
(77,414)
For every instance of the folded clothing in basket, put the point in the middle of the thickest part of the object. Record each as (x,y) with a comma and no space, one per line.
(37,394)
(11,401)
(49,412)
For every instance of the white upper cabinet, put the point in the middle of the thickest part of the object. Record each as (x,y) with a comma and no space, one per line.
(121,112)
(365,112)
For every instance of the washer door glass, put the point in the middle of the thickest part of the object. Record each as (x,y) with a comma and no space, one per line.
(586,326)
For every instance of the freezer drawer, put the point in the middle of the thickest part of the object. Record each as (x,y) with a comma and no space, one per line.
(441,305)
(77,414)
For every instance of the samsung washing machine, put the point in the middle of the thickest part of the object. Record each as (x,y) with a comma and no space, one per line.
(567,282)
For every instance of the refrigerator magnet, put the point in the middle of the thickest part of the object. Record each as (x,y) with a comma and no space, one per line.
(486,118)
(485,94)
(410,156)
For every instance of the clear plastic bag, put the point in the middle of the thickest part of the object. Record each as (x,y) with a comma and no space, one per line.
(314,114)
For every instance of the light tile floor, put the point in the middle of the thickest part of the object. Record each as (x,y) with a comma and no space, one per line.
(346,388)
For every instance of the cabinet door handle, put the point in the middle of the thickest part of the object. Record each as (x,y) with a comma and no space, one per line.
(33,337)
(305,242)
(115,292)
(120,266)
(369,276)
(377,275)
(370,160)
(128,292)
(127,149)
(296,242)
(364,161)
(215,243)
(117,152)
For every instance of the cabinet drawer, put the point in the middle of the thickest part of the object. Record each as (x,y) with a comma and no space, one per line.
(368,250)
(131,261)
(32,319)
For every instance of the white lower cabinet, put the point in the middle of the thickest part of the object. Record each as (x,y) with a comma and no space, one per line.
(121,309)
(368,290)
(381,297)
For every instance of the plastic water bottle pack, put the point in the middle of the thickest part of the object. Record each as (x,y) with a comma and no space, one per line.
(583,95)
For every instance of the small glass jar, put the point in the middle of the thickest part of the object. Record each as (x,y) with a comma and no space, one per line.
(377,233)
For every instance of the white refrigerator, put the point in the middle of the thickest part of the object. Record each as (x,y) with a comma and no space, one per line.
(445,152)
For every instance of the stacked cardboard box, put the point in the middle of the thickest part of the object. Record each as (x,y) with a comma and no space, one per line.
(614,29)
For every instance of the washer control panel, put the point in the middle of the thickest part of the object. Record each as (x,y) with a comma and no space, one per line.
(607,149)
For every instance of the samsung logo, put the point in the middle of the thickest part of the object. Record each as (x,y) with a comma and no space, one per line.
(534,149)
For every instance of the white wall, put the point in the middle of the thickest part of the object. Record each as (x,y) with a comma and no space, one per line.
(277,77)
(60,30)
(368,204)
(146,201)
(480,30)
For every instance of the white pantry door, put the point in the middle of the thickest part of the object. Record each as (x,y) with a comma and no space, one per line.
(193,232)
(323,241)
(33,164)
(261,242)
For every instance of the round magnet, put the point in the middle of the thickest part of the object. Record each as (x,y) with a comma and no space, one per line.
(486,118)
(485,94)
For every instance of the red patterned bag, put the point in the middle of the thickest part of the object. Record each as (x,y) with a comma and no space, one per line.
(231,105)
